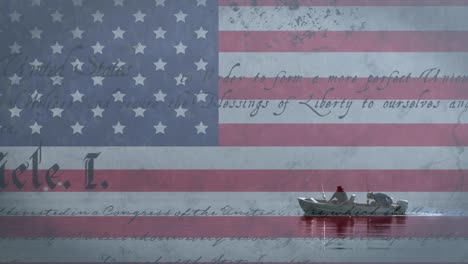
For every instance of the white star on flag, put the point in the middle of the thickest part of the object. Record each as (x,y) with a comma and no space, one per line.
(160,33)
(35,64)
(159,97)
(160,64)
(97,80)
(201,2)
(56,48)
(77,33)
(15,111)
(77,96)
(201,33)
(56,16)
(77,2)
(97,17)
(35,128)
(118,96)
(139,48)
(118,2)
(77,65)
(56,112)
(139,111)
(159,2)
(97,111)
(56,80)
(201,128)
(180,111)
(35,2)
(180,48)
(139,16)
(15,79)
(160,128)
(118,33)
(15,16)
(201,96)
(97,48)
(118,128)
(77,128)
(36,33)
(180,16)
(180,79)
(139,79)
(15,48)
(201,65)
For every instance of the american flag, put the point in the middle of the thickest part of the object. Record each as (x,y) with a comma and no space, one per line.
(182,131)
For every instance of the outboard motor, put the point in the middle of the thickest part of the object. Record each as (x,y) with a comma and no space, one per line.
(403,206)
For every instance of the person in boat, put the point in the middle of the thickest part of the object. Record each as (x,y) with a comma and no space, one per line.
(381,199)
(340,195)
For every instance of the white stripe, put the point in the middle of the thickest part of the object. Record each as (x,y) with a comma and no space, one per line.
(209,249)
(219,203)
(337,158)
(343,112)
(324,64)
(398,18)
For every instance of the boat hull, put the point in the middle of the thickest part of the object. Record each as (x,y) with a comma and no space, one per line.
(313,207)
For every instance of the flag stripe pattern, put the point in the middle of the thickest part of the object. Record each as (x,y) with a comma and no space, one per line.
(342,41)
(398,87)
(296,3)
(300,74)
(175,131)
(256,180)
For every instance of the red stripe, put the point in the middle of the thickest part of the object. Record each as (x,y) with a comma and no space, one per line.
(285,86)
(343,41)
(257,180)
(239,226)
(343,135)
(296,3)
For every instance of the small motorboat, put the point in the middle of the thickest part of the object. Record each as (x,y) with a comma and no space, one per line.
(317,207)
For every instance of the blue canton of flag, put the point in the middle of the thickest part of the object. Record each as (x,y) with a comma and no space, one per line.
(108,73)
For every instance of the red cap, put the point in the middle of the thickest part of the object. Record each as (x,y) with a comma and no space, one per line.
(339,189)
